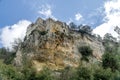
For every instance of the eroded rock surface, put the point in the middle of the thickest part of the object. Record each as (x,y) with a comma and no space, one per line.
(51,43)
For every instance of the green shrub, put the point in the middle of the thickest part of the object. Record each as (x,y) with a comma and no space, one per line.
(68,74)
(9,58)
(110,61)
(28,73)
(45,74)
(85,52)
(8,72)
(117,75)
(84,73)
(103,74)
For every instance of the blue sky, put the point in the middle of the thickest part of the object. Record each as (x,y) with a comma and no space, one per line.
(14,10)
(16,15)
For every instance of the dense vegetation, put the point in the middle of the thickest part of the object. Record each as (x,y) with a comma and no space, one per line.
(85,51)
(107,69)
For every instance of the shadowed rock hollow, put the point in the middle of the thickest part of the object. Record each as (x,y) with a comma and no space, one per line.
(52,44)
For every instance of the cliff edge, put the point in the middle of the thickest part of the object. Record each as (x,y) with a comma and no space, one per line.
(53,44)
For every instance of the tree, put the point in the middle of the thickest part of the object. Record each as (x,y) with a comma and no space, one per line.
(3,52)
(28,73)
(67,74)
(110,43)
(99,38)
(86,28)
(109,37)
(9,72)
(16,44)
(110,61)
(103,74)
(6,55)
(9,55)
(85,51)
(117,30)
(72,25)
(84,73)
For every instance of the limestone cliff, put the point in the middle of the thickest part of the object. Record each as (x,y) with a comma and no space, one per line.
(51,43)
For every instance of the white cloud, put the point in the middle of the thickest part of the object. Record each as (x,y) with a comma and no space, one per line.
(46,11)
(111,19)
(78,16)
(10,33)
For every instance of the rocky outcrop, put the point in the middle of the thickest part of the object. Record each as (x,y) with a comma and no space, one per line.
(52,44)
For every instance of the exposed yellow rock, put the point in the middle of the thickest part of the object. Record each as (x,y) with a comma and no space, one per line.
(52,44)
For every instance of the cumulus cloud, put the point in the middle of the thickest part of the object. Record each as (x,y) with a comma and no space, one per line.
(46,11)
(111,19)
(78,16)
(10,33)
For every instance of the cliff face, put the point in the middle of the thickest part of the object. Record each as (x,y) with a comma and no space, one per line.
(52,44)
